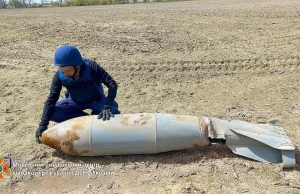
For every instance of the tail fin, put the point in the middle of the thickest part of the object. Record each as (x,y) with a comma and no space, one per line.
(266,142)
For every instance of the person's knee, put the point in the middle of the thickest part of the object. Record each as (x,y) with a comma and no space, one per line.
(115,104)
(66,102)
(95,112)
(58,116)
(115,110)
(65,113)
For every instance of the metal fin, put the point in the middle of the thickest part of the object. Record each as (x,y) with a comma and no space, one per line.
(263,142)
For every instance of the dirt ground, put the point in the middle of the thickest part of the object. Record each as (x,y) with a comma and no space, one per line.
(229,59)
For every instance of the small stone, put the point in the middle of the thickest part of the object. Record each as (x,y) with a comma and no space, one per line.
(110,185)
(99,186)
(235,176)
(214,154)
(92,176)
(248,166)
(89,186)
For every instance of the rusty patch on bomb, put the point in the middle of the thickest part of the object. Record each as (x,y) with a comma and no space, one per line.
(142,120)
(67,143)
(125,121)
(51,142)
(47,139)
(204,124)
(79,123)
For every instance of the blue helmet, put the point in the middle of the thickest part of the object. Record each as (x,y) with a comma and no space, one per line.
(67,55)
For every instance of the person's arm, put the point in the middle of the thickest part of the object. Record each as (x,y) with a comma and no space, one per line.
(51,100)
(101,76)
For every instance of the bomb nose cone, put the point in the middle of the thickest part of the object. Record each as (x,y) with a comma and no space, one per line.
(50,138)
(66,136)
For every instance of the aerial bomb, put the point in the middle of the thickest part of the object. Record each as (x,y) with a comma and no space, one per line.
(150,133)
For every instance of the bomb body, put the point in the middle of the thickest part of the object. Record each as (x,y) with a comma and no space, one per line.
(150,133)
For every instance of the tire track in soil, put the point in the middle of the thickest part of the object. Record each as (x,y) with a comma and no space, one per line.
(211,67)
(225,67)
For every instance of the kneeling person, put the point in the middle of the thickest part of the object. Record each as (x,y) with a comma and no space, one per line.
(83,80)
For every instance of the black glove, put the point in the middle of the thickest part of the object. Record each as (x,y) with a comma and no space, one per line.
(39,132)
(105,114)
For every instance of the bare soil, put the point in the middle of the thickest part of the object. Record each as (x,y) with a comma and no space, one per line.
(229,59)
